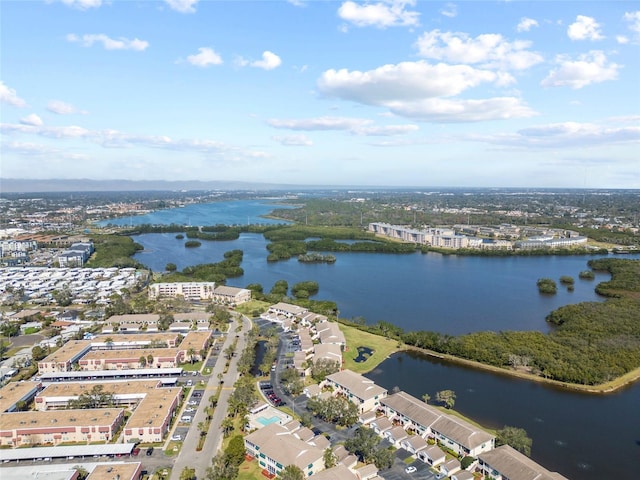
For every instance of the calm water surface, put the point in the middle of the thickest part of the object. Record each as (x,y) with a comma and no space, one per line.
(416,291)
(581,436)
(237,212)
(584,437)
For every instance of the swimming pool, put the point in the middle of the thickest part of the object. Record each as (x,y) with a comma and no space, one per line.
(267,421)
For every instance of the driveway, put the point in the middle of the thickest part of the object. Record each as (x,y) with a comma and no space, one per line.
(188,456)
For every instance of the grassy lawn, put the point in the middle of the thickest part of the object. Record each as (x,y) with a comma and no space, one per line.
(191,367)
(250,471)
(381,347)
(251,306)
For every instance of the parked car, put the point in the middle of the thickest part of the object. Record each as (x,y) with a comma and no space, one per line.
(176,438)
(149,451)
(411,469)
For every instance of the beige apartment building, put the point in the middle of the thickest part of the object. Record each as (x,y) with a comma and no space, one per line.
(131,359)
(188,290)
(357,389)
(54,427)
(152,405)
(63,359)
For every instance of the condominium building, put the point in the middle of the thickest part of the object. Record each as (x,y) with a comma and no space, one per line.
(357,389)
(188,290)
(54,427)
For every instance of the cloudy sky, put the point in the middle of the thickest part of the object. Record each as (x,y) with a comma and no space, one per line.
(387,92)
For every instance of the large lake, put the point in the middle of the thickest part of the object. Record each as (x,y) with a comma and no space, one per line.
(590,437)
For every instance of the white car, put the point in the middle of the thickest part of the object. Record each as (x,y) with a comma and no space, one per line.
(411,469)
(176,438)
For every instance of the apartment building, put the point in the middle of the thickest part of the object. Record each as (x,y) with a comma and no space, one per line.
(63,359)
(54,427)
(356,388)
(131,359)
(152,404)
(231,295)
(428,422)
(276,446)
(506,463)
(188,290)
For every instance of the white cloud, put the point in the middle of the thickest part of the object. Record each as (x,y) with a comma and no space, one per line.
(31,119)
(634,23)
(115,139)
(297,3)
(10,97)
(584,28)
(490,50)
(526,24)
(356,126)
(269,61)
(589,68)
(319,123)
(405,81)
(293,140)
(386,130)
(622,40)
(182,6)
(442,110)
(206,57)
(386,13)
(81,4)
(418,90)
(450,10)
(566,135)
(109,43)
(61,108)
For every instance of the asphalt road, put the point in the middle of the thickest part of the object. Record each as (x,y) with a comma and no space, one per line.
(188,456)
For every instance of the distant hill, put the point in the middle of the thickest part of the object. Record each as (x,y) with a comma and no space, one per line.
(18,185)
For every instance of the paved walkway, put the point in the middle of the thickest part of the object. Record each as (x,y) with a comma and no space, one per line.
(188,456)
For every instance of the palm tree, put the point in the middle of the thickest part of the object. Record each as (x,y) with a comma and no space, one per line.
(143,361)
(191,353)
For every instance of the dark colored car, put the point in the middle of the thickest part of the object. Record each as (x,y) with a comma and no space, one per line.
(149,451)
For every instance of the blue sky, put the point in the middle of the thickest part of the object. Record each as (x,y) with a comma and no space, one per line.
(396,93)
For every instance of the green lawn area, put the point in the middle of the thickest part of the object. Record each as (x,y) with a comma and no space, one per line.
(253,306)
(191,367)
(381,347)
(250,471)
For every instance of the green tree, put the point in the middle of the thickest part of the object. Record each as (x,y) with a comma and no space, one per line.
(383,457)
(448,397)
(514,437)
(222,468)
(82,472)
(142,361)
(38,353)
(426,397)
(191,353)
(291,472)
(363,444)
(97,397)
(322,368)
(235,451)
(170,267)
(188,474)
(329,458)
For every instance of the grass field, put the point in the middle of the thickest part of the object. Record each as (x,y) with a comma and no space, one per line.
(381,346)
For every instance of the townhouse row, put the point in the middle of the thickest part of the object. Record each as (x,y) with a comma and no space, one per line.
(404,421)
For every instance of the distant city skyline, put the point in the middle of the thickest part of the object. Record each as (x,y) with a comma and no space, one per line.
(385,93)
